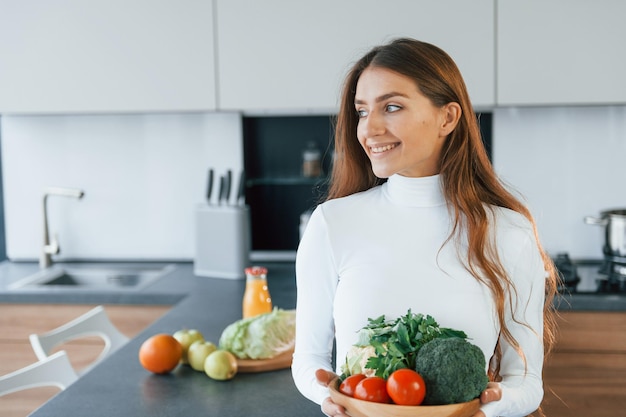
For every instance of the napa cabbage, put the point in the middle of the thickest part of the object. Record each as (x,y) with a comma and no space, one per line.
(261,337)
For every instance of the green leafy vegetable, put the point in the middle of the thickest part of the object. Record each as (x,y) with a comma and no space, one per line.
(260,337)
(396,342)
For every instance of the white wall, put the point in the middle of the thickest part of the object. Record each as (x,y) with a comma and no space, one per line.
(568,163)
(142,175)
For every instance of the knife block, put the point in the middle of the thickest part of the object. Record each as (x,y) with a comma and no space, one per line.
(222,241)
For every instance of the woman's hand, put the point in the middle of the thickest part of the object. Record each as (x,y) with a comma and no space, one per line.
(328,406)
(491,393)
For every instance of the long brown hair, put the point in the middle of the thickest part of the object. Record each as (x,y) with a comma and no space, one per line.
(469,182)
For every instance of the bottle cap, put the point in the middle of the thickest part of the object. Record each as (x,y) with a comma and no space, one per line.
(256,270)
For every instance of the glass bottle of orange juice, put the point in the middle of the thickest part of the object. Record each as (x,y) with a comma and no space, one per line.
(256,298)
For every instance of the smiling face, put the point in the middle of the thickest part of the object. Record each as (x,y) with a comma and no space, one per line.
(399,128)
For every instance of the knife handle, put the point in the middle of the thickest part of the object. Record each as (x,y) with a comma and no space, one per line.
(209,188)
(241,192)
(228,181)
(220,196)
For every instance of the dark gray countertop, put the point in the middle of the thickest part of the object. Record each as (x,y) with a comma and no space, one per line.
(181,282)
(119,386)
(591,302)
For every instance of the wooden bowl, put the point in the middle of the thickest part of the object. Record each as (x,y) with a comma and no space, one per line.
(360,408)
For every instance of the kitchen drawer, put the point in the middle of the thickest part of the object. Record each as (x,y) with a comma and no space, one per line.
(592,332)
(585,384)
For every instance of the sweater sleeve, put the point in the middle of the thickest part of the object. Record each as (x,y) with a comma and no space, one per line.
(522,387)
(316,280)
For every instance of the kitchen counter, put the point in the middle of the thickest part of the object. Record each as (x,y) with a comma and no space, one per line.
(181,283)
(119,386)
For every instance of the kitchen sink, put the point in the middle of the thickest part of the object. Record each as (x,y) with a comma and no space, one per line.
(94,276)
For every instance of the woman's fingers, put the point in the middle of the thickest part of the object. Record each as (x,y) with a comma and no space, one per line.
(331,409)
(328,406)
(491,393)
(324,377)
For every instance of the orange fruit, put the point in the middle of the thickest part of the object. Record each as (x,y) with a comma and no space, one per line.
(160,353)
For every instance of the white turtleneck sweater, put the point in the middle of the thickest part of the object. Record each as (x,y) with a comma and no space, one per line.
(380,252)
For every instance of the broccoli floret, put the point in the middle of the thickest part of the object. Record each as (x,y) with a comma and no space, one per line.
(453,370)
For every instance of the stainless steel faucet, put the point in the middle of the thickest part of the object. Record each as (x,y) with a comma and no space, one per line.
(52,248)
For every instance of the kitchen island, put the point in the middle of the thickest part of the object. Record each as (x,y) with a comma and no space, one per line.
(121,387)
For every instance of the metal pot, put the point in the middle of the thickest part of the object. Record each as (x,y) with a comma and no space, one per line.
(614,222)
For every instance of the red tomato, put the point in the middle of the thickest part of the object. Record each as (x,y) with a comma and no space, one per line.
(373,388)
(406,387)
(349,384)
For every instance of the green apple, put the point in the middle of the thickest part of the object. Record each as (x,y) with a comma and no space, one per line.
(198,352)
(186,337)
(221,365)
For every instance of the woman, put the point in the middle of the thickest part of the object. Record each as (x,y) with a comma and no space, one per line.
(416,218)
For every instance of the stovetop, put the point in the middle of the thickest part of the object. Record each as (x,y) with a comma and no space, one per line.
(590,276)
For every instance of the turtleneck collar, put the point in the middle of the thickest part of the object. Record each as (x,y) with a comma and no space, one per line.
(415,192)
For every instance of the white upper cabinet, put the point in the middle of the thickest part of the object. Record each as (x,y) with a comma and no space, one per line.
(68,56)
(292,56)
(280,56)
(561,52)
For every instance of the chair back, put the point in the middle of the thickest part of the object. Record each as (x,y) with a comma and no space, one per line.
(93,323)
(54,370)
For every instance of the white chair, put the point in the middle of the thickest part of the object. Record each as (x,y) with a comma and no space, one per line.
(93,323)
(54,370)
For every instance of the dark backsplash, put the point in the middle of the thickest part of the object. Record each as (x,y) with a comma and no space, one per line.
(276,191)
